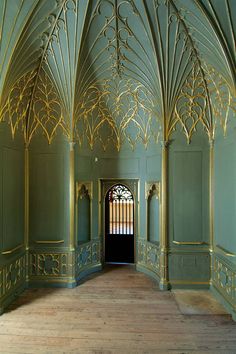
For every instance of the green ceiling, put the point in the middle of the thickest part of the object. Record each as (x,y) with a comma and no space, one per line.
(109,71)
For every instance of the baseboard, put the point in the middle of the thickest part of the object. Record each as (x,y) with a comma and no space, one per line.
(148,272)
(86,272)
(52,283)
(185,284)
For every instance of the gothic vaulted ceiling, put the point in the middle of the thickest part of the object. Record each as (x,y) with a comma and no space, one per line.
(108,71)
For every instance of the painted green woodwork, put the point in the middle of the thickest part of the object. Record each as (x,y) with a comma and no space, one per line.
(13,265)
(49,192)
(148,259)
(153,219)
(224,260)
(187,191)
(84,219)
(11,190)
(225,193)
(189,260)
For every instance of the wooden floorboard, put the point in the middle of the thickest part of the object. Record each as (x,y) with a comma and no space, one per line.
(115,311)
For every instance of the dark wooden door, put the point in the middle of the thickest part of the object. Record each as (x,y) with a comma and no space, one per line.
(119,228)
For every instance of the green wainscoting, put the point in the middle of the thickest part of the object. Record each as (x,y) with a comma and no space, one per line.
(13,275)
(57,267)
(88,259)
(224,281)
(148,260)
(49,267)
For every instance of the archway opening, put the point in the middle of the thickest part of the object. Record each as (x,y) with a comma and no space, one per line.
(119,225)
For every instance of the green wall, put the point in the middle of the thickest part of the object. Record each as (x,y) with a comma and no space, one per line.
(189,260)
(12,250)
(50,257)
(49,191)
(225,192)
(224,258)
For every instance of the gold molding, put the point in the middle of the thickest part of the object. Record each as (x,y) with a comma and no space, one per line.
(164,217)
(185,282)
(211,205)
(190,243)
(225,251)
(49,241)
(13,249)
(72,195)
(26,197)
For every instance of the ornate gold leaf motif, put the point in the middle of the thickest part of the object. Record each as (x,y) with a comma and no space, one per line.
(191,104)
(115,111)
(220,96)
(47,110)
(16,107)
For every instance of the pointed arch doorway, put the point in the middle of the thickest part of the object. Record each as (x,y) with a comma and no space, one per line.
(120,213)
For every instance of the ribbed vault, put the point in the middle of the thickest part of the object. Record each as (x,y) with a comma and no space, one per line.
(108,71)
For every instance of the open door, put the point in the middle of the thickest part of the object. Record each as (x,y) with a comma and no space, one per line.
(119,225)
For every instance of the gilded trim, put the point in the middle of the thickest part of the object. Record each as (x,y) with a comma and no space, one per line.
(26,197)
(226,252)
(164,217)
(13,249)
(190,243)
(211,195)
(189,282)
(72,196)
(49,241)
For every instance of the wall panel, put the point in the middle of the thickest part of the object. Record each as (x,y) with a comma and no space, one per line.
(47,198)
(13,198)
(187,196)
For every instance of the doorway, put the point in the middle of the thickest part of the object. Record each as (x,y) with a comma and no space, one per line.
(119,225)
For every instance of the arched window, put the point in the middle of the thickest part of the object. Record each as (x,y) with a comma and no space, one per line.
(121,210)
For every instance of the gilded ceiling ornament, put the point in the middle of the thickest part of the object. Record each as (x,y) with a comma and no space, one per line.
(15,109)
(107,70)
(220,96)
(47,110)
(191,105)
(114,111)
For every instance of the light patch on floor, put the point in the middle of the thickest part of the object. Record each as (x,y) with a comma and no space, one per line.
(198,302)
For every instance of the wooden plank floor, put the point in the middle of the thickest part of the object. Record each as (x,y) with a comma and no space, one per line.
(115,311)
